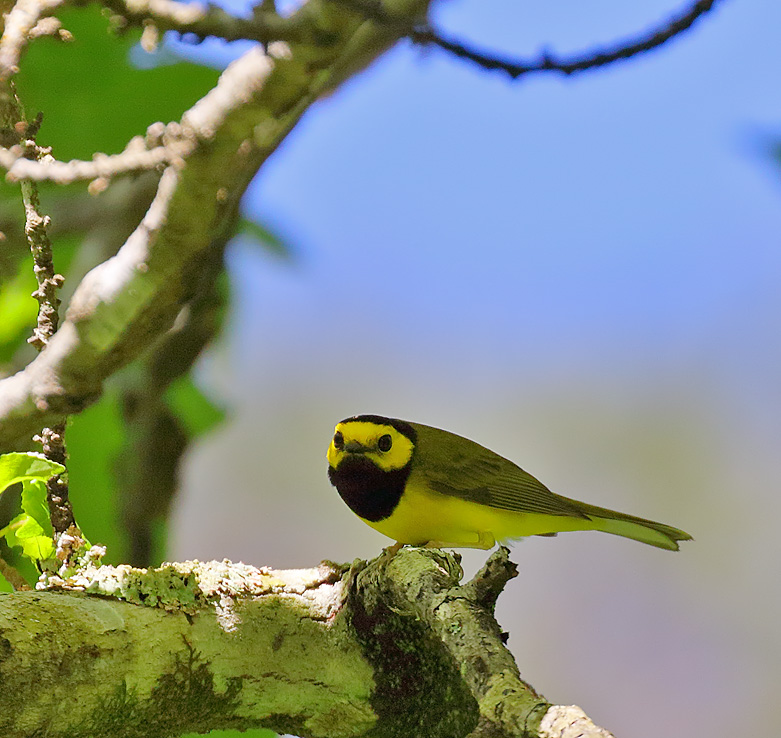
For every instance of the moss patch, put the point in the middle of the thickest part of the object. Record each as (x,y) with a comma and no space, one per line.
(183,699)
(419,690)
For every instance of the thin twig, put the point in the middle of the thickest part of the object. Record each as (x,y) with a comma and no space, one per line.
(36,231)
(12,576)
(24,16)
(132,160)
(204,20)
(426,34)
(60,510)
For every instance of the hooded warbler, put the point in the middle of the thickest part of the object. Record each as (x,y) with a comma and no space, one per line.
(425,486)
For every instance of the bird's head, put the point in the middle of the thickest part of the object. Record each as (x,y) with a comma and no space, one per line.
(386,443)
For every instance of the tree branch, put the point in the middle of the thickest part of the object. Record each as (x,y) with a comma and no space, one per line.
(19,23)
(12,576)
(204,20)
(52,437)
(391,647)
(126,302)
(515,68)
(135,158)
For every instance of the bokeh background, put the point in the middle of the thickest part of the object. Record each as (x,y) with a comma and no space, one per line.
(582,274)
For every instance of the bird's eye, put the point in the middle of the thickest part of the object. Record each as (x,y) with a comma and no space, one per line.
(385,443)
(338,440)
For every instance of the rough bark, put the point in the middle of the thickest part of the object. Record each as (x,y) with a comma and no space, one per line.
(393,647)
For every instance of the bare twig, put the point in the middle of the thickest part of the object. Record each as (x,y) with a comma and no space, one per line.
(24,16)
(12,576)
(135,158)
(428,35)
(52,439)
(204,20)
(50,26)
(36,230)
(48,281)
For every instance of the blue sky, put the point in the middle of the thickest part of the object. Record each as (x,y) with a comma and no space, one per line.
(627,211)
(629,205)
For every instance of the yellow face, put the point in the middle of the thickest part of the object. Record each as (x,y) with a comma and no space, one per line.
(386,447)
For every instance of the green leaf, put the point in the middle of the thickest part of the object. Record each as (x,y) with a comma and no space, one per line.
(196,411)
(32,530)
(27,467)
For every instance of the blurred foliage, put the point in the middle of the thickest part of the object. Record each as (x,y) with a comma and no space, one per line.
(94,438)
(93,100)
(18,310)
(32,530)
(107,101)
(18,307)
(261,234)
(196,412)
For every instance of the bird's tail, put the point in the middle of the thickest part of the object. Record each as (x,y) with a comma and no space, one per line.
(629,526)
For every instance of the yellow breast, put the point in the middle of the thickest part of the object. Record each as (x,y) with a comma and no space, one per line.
(423,516)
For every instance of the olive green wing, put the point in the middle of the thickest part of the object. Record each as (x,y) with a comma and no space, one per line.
(455,466)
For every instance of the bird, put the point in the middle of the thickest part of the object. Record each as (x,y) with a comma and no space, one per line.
(424,486)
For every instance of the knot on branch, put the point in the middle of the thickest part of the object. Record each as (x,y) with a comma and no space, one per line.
(488,583)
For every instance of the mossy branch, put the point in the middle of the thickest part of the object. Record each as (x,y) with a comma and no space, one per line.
(392,647)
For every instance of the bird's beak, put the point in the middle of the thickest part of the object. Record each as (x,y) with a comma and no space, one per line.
(353,447)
